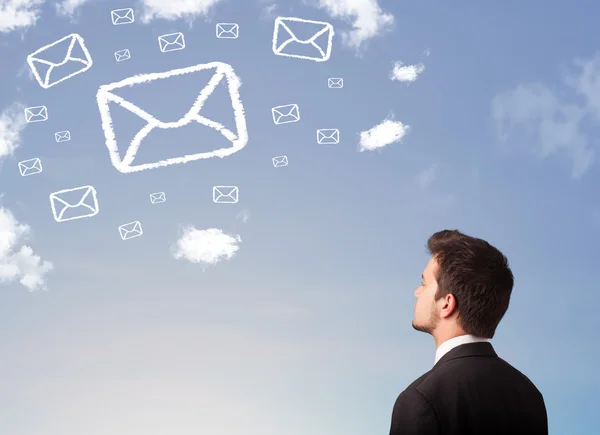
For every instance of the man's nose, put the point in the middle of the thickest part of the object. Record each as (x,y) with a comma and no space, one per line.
(417,292)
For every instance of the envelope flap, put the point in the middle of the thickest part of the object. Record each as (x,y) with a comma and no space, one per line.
(285,110)
(172,38)
(130,227)
(328,133)
(125,13)
(60,51)
(225,190)
(302,31)
(76,197)
(29,164)
(227,27)
(138,94)
(36,111)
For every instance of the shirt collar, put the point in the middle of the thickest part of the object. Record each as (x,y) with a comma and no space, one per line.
(450,344)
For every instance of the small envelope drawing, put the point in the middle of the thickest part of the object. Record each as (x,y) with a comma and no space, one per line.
(76,203)
(62,136)
(107,97)
(49,73)
(36,114)
(286,114)
(171,42)
(225,194)
(158,197)
(328,136)
(122,55)
(130,230)
(285,41)
(122,16)
(335,83)
(30,167)
(228,30)
(280,161)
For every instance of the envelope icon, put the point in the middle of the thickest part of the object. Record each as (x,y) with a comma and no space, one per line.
(107,96)
(171,42)
(122,16)
(73,58)
(62,136)
(122,55)
(335,83)
(77,203)
(225,194)
(227,30)
(286,114)
(287,43)
(36,114)
(280,161)
(157,198)
(130,230)
(30,167)
(328,136)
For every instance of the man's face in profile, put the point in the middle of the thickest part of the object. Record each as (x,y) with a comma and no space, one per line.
(426,318)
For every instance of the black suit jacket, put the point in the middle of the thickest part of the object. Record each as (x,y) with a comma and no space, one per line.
(470,391)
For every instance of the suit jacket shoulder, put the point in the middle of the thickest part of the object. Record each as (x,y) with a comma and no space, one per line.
(462,394)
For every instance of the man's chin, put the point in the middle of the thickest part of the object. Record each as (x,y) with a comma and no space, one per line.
(422,328)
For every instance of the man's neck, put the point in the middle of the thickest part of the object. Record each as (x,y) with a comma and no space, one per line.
(441,337)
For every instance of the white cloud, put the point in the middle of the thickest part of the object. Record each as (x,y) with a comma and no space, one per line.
(383,134)
(406,73)
(68,7)
(551,123)
(12,124)
(428,176)
(367,17)
(16,14)
(206,246)
(18,261)
(175,9)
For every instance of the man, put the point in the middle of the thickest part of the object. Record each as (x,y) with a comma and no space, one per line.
(464,294)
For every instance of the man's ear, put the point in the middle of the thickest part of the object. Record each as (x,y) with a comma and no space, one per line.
(449,306)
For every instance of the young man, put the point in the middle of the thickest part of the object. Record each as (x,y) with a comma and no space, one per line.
(464,294)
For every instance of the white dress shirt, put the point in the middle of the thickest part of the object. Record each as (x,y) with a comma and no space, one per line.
(450,344)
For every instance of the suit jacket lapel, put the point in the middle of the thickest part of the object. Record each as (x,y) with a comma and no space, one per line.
(467,349)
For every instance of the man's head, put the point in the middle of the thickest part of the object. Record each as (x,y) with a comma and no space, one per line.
(466,287)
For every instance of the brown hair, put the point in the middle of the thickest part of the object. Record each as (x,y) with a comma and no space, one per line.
(479,277)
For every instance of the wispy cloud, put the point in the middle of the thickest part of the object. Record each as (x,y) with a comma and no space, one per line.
(12,124)
(205,246)
(68,7)
(18,14)
(17,261)
(244,215)
(428,176)
(383,134)
(268,10)
(176,9)
(406,73)
(367,18)
(154,9)
(550,122)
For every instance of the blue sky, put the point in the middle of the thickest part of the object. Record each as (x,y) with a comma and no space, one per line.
(302,323)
